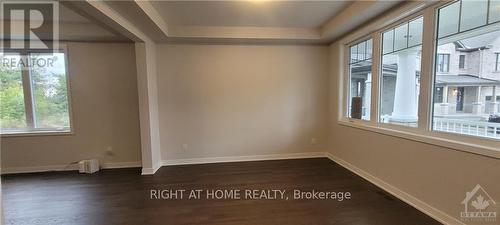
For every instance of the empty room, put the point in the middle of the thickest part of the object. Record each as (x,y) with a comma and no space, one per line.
(257,112)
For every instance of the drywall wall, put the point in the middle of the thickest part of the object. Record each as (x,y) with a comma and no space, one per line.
(104,101)
(435,175)
(241,100)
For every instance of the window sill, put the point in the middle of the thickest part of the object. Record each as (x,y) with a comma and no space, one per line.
(37,133)
(485,147)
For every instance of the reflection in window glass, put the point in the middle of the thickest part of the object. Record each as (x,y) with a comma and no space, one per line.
(449,19)
(473,14)
(49,90)
(465,98)
(12,111)
(360,73)
(400,80)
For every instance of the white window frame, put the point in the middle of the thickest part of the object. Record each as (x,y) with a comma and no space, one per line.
(423,132)
(442,65)
(497,64)
(461,65)
(28,100)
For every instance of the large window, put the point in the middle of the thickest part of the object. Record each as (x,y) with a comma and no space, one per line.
(465,30)
(436,75)
(360,73)
(33,92)
(400,78)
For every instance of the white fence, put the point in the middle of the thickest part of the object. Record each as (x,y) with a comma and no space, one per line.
(476,128)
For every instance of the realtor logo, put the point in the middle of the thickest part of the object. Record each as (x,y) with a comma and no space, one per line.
(477,204)
(29,25)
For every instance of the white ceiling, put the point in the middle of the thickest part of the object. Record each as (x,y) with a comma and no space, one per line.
(287,14)
(260,21)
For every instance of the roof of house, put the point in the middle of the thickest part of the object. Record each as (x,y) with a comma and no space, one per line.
(464,80)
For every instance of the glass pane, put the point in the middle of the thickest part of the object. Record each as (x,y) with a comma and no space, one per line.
(473,14)
(361,50)
(12,110)
(400,87)
(49,90)
(360,90)
(415,32)
(448,19)
(494,11)
(354,53)
(369,49)
(464,101)
(401,37)
(388,41)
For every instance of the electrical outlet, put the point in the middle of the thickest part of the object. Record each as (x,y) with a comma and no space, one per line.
(109,151)
(185,147)
(314,141)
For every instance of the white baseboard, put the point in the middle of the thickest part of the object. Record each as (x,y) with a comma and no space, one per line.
(151,170)
(118,165)
(69,167)
(173,162)
(409,199)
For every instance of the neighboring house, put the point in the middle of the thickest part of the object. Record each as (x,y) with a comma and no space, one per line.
(468,76)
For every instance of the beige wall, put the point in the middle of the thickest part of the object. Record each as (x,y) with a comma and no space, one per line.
(241,100)
(105,112)
(436,175)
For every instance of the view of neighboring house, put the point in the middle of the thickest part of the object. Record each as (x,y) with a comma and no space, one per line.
(468,77)
(467,81)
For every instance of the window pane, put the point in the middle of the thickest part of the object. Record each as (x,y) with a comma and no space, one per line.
(12,110)
(360,90)
(388,41)
(415,32)
(49,90)
(467,104)
(400,35)
(494,11)
(448,20)
(400,87)
(369,46)
(473,14)
(360,82)
(361,50)
(354,53)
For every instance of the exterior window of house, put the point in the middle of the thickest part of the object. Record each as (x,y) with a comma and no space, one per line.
(401,59)
(497,65)
(463,27)
(33,92)
(443,62)
(461,62)
(360,73)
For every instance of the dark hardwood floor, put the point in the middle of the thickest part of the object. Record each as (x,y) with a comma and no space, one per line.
(122,196)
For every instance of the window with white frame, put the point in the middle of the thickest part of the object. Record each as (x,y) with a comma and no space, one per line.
(400,78)
(437,74)
(34,92)
(497,65)
(443,63)
(360,79)
(461,62)
(467,28)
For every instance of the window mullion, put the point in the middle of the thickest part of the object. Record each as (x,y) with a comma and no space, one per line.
(427,67)
(376,62)
(27,91)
